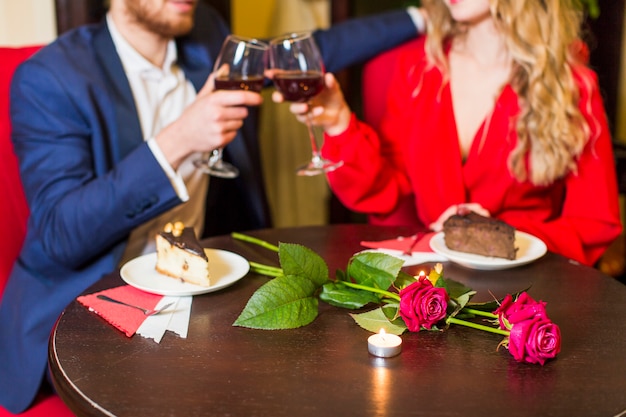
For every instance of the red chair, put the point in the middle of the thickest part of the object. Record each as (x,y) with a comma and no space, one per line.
(14,213)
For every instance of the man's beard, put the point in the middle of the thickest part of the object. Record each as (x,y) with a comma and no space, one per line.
(156,22)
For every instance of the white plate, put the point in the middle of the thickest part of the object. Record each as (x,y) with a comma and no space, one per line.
(225,268)
(529,247)
(415,258)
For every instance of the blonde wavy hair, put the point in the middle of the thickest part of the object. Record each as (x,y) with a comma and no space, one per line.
(540,35)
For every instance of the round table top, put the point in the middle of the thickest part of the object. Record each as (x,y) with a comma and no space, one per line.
(324,369)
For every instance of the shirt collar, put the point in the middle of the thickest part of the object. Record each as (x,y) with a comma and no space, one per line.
(133,61)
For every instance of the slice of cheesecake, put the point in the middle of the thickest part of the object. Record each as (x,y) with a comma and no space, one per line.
(180,255)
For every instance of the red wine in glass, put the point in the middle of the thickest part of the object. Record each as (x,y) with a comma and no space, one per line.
(240,65)
(298,73)
(240,83)
(299,86)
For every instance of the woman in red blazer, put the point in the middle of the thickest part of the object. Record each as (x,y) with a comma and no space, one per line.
(494,110)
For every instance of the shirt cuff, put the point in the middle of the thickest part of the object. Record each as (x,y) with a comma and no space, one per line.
(418,19)
(175,179)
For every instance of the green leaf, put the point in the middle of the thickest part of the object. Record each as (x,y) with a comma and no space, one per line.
(455,305)
(285,302)
(453,288)
(403,280)
(391,312)
(460,295)
(463,299)
(375,320)
(339,295)
(303,262)
(376,270)
(340,275)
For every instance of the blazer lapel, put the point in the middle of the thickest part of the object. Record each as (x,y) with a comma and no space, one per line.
(129,134)
(195,60)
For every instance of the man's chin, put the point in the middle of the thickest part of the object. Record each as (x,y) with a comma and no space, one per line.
(174,29)
(182,30)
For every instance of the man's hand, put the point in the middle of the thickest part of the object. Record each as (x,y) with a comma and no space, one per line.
(210,122)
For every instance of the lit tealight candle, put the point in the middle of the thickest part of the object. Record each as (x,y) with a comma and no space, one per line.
(384,345)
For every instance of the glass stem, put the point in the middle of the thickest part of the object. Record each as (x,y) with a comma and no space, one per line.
(216,157)
(315,152)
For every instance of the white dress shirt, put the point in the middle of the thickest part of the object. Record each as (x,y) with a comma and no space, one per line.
(418,19)
(161,95)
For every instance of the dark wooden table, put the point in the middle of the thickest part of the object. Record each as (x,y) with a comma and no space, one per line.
(324,369)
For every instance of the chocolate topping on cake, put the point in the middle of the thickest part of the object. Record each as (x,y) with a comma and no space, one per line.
(184,238)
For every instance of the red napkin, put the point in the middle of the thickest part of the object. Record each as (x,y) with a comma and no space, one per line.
(126,319)
(403,243)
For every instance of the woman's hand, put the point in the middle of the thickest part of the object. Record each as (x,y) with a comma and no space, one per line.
(437,226)
(328,109)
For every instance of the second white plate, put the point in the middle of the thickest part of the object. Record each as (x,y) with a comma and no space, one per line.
(225,268)
(529,247)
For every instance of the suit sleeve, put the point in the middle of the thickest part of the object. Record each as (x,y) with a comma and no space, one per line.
(356,40)
(82,202)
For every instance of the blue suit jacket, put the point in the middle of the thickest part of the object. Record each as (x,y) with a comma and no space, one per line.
(90,179)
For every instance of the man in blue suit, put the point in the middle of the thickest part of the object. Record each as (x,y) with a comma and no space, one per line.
(106,123)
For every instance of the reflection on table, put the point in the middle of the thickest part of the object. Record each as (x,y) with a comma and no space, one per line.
(324,369)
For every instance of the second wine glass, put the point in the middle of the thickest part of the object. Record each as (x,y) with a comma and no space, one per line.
(239,66)
(298,73)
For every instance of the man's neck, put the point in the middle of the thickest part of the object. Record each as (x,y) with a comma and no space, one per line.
(150,45)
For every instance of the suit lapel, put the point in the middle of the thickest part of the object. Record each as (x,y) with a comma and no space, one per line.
(129,134)
(194,59)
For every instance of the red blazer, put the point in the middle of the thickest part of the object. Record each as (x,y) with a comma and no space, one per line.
(413,170)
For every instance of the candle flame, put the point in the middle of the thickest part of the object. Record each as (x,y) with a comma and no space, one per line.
(382,333)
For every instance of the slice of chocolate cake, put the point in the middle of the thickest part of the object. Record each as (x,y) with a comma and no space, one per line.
(473,233)
(180,255)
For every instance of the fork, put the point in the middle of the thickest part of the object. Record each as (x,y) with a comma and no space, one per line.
(145,311)
(409,251)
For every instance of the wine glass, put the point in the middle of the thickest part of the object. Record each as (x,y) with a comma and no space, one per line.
(239,66)
(297,70)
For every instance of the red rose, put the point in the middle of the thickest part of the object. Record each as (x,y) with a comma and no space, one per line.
(422,305)
(524,308)
(535,340)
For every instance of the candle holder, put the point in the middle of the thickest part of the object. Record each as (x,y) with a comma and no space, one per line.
(384,345)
